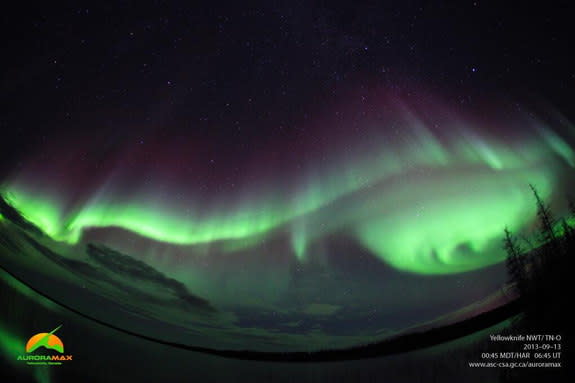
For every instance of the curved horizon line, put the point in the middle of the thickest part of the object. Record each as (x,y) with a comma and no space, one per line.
(394,345)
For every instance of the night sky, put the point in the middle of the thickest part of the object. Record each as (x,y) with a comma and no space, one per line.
(254,75)
(326,170)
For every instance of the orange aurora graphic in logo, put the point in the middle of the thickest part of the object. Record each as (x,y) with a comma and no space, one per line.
(47,340)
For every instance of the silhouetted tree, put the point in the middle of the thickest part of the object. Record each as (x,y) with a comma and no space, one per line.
(546,229)
(543,273)
(545,216)
(571,205)
(567,232)
(527,241)
(543,277)
(515,264)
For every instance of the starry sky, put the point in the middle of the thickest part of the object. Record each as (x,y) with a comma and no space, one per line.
(342,167)
(254,74)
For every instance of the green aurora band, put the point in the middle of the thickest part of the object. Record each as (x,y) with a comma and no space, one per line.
(421,204)
(13,343)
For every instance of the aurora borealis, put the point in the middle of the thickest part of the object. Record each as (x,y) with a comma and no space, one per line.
(278,177)
(422,196)
(395,196)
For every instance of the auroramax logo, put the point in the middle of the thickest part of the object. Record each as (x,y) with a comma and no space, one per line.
(47,341)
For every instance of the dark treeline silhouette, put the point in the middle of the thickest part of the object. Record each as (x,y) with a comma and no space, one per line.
(542,277)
